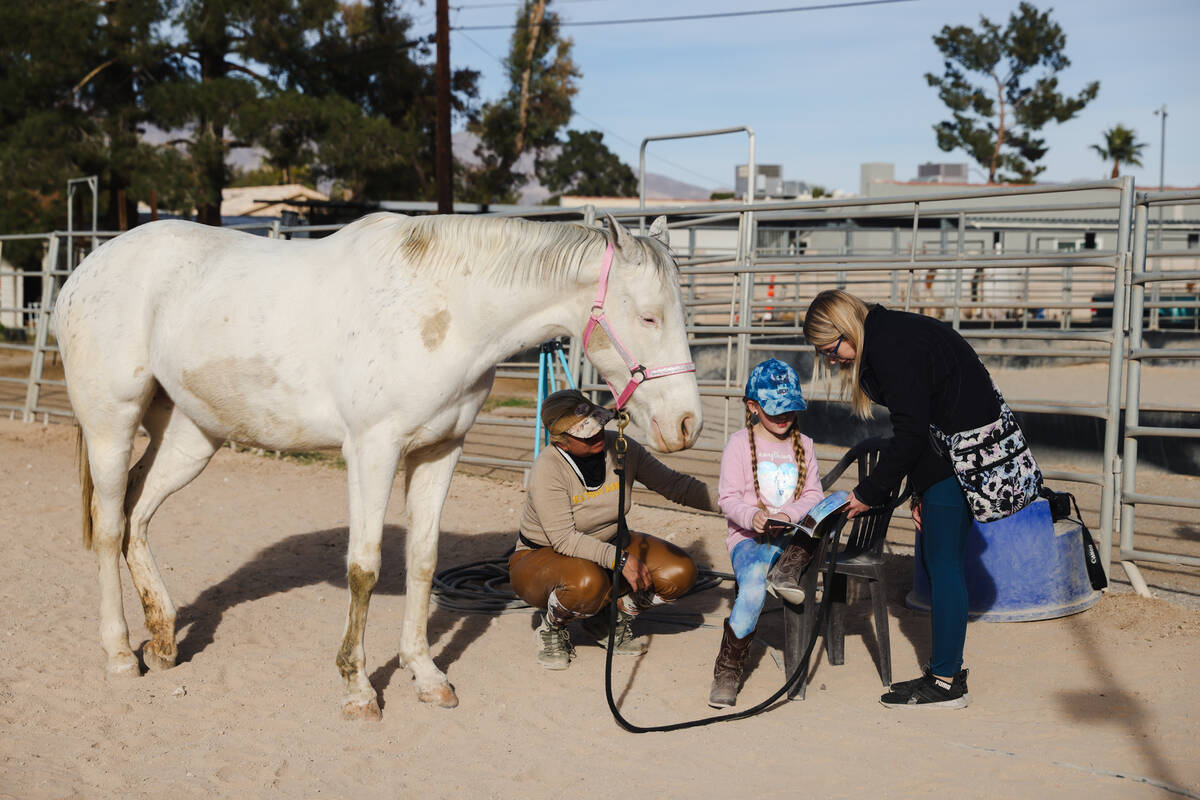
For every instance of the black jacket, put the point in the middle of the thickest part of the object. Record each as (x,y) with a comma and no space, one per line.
(923,371)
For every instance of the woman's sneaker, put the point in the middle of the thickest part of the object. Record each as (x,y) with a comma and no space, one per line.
(929,691)
(909,685)
(554,650)
(626,643)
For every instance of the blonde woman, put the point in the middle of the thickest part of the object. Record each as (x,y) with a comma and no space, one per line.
(924,373)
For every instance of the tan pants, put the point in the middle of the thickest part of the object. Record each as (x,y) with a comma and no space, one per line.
(582,586)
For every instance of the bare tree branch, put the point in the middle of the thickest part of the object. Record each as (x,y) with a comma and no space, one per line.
(91,75)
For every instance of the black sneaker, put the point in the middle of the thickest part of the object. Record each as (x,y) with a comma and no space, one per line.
(909,685)
(929,691)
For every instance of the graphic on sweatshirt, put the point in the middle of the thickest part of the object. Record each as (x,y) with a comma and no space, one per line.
(777,483)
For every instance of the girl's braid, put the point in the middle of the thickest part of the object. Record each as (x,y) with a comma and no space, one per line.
(801,461)
(753,458)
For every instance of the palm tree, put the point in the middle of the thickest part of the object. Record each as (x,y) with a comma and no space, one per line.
(1120,145)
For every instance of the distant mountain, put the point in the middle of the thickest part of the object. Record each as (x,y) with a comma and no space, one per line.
(658,187)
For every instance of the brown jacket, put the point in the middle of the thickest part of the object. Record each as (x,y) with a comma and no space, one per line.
(561,513)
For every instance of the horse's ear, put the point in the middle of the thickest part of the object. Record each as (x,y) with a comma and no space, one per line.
(658,230)
(623,240)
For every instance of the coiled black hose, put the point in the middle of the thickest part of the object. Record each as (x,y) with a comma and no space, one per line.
(481,587)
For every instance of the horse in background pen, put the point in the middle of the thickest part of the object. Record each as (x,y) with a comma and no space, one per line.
(381,340)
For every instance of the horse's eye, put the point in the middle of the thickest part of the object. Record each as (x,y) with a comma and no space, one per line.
(649,321)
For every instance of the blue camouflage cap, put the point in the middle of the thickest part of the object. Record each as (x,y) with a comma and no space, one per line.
(775,386)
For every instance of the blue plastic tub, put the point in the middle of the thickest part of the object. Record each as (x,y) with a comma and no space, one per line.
(1022,568)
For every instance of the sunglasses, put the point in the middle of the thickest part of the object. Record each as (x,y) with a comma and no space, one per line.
(832,352)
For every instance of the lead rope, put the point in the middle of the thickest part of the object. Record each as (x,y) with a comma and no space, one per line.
(622,542)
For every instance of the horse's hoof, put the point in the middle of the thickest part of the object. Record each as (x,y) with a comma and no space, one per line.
(155,662)
(367,712)
(124,666)
(443,695)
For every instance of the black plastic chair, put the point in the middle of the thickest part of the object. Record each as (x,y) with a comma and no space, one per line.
(860,555)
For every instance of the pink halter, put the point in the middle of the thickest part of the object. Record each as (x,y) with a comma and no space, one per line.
(637,372)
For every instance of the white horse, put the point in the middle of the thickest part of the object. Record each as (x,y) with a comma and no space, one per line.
(381,340)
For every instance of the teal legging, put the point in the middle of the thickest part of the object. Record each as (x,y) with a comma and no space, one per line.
(945,524)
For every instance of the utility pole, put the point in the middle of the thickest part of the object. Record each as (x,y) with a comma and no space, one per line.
(1162,161)
(443,158)
(1156,287)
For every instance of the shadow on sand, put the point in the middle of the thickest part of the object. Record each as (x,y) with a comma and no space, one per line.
(318,557)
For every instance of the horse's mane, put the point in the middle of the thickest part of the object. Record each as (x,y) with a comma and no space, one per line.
(506,250)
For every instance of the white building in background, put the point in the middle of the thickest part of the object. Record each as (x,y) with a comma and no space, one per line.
(768,182)
(999,224)
(941,173)
(242,202)
(874,172)
(771,184)
(267,201)
(12,296)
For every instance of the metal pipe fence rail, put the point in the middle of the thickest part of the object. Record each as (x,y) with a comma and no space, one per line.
(730,286)
(1077,294)
(1039,282)
(1139,351)
(50,277)
(1107,411)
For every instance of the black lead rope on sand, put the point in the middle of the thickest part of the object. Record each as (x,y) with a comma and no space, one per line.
(622,542)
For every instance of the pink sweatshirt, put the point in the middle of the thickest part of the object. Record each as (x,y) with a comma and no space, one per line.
(777,477)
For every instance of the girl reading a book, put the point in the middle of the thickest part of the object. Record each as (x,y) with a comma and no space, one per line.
(769,474)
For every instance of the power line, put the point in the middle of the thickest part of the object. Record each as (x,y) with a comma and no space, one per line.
(683,17)
(599,126)
(510,4)
(619,137)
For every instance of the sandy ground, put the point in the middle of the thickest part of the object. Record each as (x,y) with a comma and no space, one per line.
(1099,705)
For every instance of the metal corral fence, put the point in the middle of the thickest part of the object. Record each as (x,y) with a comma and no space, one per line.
(1161,268)
(1039,272)
(908,276)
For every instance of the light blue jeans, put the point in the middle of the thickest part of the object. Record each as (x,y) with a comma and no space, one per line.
(751,561)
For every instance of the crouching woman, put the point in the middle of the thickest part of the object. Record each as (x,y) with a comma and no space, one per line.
(564,554)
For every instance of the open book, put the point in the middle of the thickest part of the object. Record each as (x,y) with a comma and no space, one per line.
(828,508)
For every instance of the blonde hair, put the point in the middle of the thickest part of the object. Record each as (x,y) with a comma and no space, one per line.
(797,452)
(836,313)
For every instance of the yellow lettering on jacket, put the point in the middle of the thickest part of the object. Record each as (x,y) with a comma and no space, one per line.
(589,495)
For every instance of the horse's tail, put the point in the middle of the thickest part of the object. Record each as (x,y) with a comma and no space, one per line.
(86,487)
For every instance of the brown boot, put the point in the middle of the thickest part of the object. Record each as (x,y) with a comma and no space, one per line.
(783,581)
(727,673)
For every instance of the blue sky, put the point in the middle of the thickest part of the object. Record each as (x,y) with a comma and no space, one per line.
(826,90)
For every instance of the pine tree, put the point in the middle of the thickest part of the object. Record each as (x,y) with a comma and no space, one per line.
(339,92)
(368,59)
(542,81)
(584,165)
(328,89)
(996,119)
